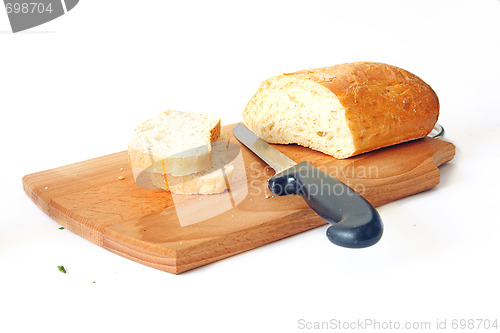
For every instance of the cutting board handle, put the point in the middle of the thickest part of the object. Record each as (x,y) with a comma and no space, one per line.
(355,222)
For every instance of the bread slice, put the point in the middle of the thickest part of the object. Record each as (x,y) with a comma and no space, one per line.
(343,110)
(210,181)
(174,142)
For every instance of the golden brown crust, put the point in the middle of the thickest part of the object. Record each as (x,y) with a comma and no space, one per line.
(384,104)
(215,132)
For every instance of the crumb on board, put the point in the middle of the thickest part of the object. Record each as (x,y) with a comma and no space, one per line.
(121,178)
(46,187)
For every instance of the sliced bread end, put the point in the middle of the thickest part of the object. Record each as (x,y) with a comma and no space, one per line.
(174,142)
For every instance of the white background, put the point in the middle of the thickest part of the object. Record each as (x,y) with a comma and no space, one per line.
(76,87)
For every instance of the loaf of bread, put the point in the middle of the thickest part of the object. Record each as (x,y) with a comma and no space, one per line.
(174,142)
(181,152)
(343,110)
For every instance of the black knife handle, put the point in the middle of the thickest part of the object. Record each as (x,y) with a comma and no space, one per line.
(355,222)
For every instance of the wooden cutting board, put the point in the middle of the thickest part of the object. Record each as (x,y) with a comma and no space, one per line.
(99,200)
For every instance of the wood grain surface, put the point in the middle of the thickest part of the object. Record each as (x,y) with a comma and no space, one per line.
(99,200)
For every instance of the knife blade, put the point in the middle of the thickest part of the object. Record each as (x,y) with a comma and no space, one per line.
(274,158)
(355,223)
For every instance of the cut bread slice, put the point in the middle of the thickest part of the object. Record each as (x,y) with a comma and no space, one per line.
(213,180)
(343,110)
(174,142)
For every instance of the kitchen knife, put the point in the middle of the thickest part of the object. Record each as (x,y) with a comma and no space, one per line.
(355,222)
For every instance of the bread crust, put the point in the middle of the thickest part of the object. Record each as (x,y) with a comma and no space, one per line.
(384,105)
(197,183)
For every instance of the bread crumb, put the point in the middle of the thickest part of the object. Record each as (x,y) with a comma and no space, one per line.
(46,187)
(328,78)
(121,169)
(121,178)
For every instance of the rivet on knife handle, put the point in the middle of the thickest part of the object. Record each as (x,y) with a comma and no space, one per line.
(355,223)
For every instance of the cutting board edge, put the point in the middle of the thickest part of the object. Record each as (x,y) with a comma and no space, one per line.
(290,225)
(445,154)
(82,229)
(177,261)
